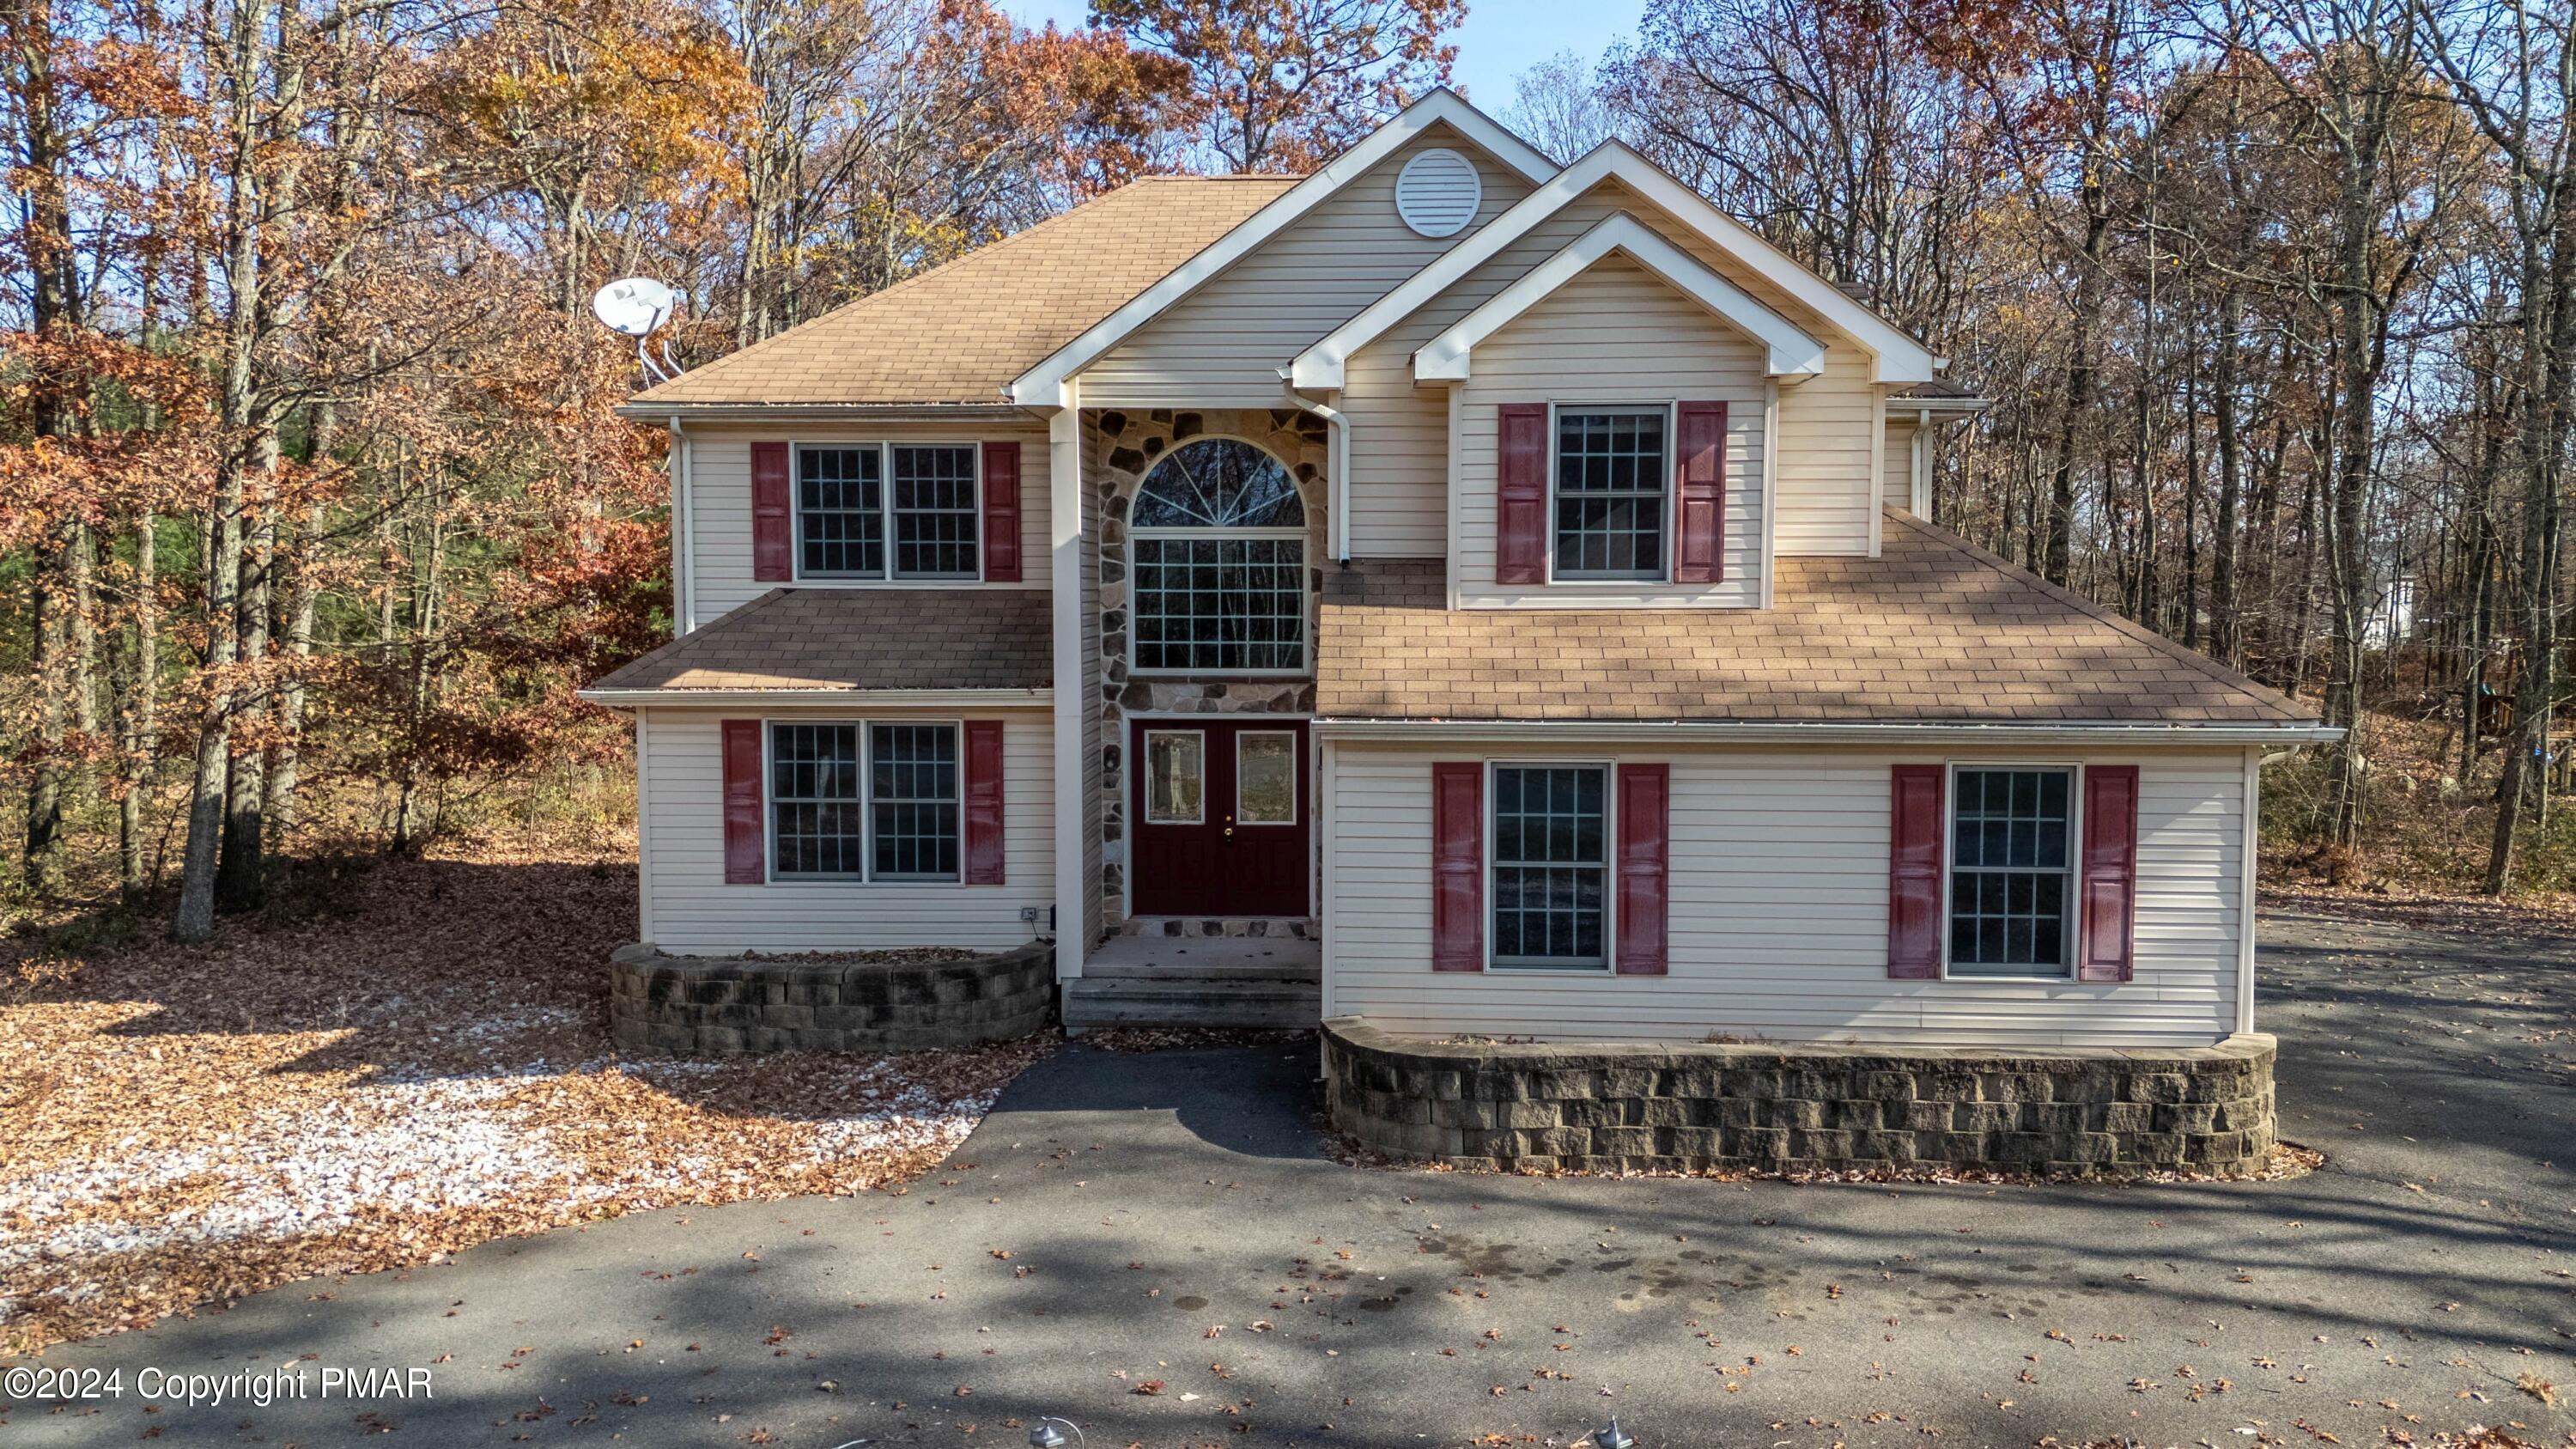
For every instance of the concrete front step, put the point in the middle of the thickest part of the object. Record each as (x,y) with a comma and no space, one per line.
(1093,1002)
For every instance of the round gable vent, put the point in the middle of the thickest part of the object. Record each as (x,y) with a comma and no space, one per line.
(1437,192)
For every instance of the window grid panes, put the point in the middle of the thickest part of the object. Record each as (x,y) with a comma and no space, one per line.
(1550,865)
(912,772)
(815,803)
(1221,604)
(840,512)
(934,513)
(2010,872)
(1610,486)
(892,814)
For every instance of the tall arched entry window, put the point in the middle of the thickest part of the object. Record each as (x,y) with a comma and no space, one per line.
(1219,563)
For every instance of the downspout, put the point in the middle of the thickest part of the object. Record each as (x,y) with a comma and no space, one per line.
(684,598)
(1337,464)
(1923,464)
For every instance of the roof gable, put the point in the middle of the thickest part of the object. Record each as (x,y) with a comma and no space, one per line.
(1896,357)
(1044,385)
(1789,351)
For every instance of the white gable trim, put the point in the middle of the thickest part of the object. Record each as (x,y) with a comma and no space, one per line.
(1792,353)
(1898,359)
(1044,384)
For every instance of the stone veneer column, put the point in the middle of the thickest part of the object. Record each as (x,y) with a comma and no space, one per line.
(1120,446)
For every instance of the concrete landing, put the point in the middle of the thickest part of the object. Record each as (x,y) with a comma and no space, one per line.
(1249,981)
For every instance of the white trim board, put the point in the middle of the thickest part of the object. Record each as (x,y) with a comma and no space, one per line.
(1044,384)
(1897,358)
(1792,354)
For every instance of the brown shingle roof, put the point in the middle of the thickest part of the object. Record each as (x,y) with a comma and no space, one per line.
(958,333)
(860,639)
(1934,630)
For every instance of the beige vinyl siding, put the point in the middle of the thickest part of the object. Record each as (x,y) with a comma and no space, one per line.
(693,911)
(1617,334)
(1399,493)
(1896,470)
(1779,913)
(1825,479)
(1223,345)
(720,501)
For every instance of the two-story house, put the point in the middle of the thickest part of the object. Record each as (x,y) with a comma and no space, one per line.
(1502,589)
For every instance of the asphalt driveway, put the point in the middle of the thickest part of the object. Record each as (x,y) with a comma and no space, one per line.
(1156,1247)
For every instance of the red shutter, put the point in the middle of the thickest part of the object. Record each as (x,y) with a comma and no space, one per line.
(2107,948)
(1914,874)
(773,522)
(746,841)
(1001,515)
(984,801)
(1520,489)
(1645,851)
(1699,483)
(1458,867)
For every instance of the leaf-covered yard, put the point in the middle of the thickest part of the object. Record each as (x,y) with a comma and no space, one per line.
(420,1064)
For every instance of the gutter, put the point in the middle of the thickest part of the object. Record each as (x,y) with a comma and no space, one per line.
(825,412)
(1682,732)
(1338,463)
(880,698)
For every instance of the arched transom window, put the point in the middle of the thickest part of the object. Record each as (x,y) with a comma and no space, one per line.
(1220,562)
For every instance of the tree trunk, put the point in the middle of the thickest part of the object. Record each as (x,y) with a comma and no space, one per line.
(138,719)
(195,920)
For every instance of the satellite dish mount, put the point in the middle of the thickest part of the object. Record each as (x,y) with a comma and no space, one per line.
(637,307)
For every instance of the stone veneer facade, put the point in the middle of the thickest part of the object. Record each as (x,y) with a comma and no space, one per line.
(1122,445)
(1799,1108)
(734,1005)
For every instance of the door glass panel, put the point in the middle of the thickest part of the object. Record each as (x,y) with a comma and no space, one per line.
(1265,778)
(1175,769)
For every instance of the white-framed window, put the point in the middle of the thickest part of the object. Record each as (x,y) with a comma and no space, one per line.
(888,511)
(1217,542)
(1265,777)
(1548,870)
(1610,491)
(866,801)
(2011,865)
(1175,777)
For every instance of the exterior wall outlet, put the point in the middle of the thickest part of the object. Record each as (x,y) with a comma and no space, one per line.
(1028,913)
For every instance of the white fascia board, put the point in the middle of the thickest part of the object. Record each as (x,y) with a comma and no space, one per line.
(794,698)
(1044,384)
(2103,735)
(1793,354)
(1898,359)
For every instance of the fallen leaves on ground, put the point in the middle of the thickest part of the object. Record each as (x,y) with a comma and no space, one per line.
(425,1069)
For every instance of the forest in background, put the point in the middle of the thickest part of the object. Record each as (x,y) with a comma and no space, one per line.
(314,510)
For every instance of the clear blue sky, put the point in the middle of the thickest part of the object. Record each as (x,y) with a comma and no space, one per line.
(1500,39)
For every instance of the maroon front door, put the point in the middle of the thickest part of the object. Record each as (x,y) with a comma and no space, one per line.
(1217,822)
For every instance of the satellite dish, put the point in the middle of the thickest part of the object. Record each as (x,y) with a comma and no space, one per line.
(635,306)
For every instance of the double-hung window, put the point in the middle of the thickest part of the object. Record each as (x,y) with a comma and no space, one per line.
(1551,865)
(2012,871)
(877,802)
(887,510)
(1612,475)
